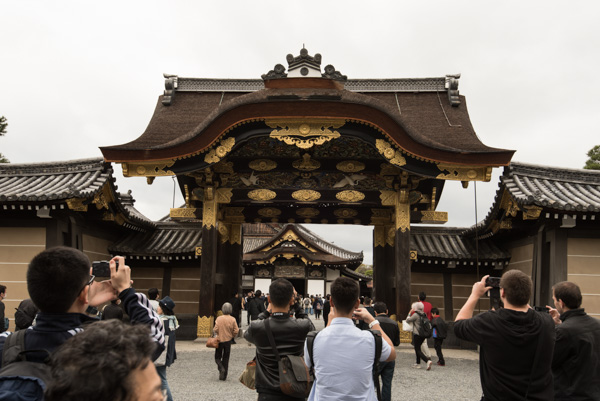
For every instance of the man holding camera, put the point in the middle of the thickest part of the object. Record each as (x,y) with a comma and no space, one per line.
(576,362)
(343,355)
(515,342)
(60,284)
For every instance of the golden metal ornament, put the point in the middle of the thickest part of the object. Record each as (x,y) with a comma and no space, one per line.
(235,236)
(391,154)
(148,169)
(379,236)
(305,133)
(209,208)
(262,194)
(102,198)
(345,213)
(350,196)
(434,217)
(307,212)
(390,236)
(205,325)
(183,213)
(381,216)
(262,165)
(388,198)
(306,163)
(532,212)
(224,195)
(223,167)
(350,166)
(413,255)
(464,173)
(198,251)
(402,211)
(223,230)
(76,204)
(234,215)
(269,212)
(216,154)
(306,195)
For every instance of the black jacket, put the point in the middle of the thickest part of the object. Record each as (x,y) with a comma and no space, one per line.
(390,327)
(440,326)
(255,307)
(289,335)
(576,362)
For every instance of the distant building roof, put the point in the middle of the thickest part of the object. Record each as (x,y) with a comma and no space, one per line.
(169,239)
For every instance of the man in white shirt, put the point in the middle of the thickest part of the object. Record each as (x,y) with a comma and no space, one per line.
(343,355)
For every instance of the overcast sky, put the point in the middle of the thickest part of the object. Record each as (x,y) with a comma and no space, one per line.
(76,75)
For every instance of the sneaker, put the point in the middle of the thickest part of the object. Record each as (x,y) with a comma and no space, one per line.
(440,363)
(417,366)
(429,364)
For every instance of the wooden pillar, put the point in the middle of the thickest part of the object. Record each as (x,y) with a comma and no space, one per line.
(402,254)
(208,265)
(229,268)
(383,265)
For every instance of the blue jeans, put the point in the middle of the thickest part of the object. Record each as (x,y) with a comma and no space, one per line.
(162,372)
(386,372)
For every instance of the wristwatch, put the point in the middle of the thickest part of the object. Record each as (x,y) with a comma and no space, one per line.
(373,323)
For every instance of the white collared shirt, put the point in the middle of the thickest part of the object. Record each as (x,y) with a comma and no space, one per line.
(343,356)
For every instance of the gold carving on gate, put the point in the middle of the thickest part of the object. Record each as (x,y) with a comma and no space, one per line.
(290,236)
(102,198)
(434,217)
(76,204)
(350,196)
(392,155)
(198,251)
(390,236)
(464,173)
(262,165)
(402,211)
(306,195)
(289,271)
(234,214)
(205,325)
(262,194)
(379,236)
(532,212)
(264,272)
(506,224)
(224,195)
(388,198)
(307,212)
(223,230)
(305,133)
(269,212)
(183,213)
(216,154)
(350,166)
(413,255)
(306,163)
(235,235)
(148,169)
(345,213)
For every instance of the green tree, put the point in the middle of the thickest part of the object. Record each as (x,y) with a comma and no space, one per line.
(3,125)
(593,162)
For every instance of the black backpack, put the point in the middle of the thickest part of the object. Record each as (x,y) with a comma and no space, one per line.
(21,380)
(425,328)
(310,339)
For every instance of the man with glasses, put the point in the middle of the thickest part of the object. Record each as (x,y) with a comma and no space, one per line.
(60,284)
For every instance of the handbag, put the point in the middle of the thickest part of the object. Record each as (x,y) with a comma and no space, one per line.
(407,326)
(295,378)
(212,342)
(248,376)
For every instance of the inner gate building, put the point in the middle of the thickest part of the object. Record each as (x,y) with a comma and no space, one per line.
(256,157)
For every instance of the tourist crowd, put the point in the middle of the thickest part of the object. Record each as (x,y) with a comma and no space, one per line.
(80,338)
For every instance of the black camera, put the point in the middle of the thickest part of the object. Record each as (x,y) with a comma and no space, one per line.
(102,268)
(493,282)
(542,309)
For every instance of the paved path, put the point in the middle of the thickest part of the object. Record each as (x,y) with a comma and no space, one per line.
(194,375)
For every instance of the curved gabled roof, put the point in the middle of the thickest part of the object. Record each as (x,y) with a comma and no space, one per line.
(169,238)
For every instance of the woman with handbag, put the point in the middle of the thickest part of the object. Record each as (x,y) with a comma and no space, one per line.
(225,329)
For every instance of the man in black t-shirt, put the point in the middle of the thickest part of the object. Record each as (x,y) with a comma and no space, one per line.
(515,342)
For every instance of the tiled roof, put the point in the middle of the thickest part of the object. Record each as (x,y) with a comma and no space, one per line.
(449,244)
(552,187)
(169,238)
(39,182)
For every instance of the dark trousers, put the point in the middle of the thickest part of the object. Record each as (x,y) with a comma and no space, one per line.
(418,341)
(277,397)
(437,344)
(386,371)
(222,356)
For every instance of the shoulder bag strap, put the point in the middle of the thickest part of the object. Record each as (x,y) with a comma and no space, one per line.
(271,339)
(310,341)
(378,347)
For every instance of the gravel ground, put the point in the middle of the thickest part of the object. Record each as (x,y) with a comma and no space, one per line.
(194,375)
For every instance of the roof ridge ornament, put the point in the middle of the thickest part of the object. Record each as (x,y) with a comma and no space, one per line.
(452,86)
(170,87)
(304,65)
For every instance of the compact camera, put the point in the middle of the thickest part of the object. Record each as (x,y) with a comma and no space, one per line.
(493,282)
(101,268)
(542,309)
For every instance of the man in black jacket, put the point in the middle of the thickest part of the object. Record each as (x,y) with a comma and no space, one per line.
(576,362)
(289,335)
(256,305)
(516,342)
(386,369)
(440,331)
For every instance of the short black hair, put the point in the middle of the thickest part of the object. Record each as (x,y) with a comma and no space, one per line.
(422,296)
(344,293)
(281,291)
(153,293)
(435,311)
(95,365)
(517,287)
(112,311)
(380,307)
(569,293)
(55,278)
(258,293)
(2,289)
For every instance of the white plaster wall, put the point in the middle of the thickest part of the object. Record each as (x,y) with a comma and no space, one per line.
(332,274)
(262,284)
(315,287)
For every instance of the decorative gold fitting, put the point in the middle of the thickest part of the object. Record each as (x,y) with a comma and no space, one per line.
(148,169)
(305,133)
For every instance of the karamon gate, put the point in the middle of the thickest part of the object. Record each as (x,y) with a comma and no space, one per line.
(306,146)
